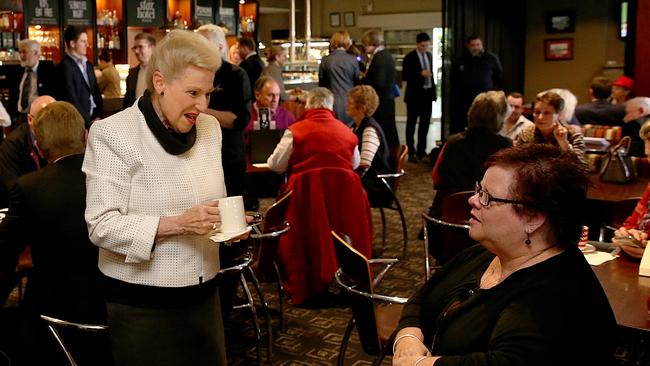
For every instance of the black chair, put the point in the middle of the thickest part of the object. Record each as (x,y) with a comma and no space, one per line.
(240,266)
(53,323)
(451,232)
(273,225)
(391,182)
(375,325)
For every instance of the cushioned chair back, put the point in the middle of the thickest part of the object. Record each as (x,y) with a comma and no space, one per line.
(456,210)
(357,274)
(266,253)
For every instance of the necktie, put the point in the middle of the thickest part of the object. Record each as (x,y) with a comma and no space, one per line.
(425,66)
(27,90)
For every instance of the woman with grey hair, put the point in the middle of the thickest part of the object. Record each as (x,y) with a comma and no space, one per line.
(461,162)
(154,177)
(320,153)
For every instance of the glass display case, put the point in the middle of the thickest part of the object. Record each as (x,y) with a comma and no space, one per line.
(303,72)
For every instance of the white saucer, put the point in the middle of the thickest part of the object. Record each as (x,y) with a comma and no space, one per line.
(221,237)
(588,248)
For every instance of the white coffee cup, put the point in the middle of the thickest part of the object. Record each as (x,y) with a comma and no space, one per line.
(233,216)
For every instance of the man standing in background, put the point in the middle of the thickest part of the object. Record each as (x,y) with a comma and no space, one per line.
(417,72)
(478,71)
(36,79)
(251,61)
(136,82)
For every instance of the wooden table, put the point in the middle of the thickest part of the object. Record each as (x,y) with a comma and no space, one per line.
(627,292)
(612,192)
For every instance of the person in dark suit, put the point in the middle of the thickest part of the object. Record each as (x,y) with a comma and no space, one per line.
(136,83)
(230,104)
(417,72)
(30,87)
(600,111)
(76,86)
(251,61)
(18,153)
(381,76)
(46,210)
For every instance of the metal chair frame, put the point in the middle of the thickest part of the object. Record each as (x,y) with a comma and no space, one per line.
(52,322)
(397,206)
(339,277)
(426,218)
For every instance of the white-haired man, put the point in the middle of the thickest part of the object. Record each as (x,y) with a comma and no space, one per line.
(637,112)
(35,81)
(230,104)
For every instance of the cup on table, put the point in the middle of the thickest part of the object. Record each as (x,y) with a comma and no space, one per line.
(233,216)
(584,236)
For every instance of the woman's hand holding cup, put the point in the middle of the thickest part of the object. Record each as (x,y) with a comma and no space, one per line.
(202,218)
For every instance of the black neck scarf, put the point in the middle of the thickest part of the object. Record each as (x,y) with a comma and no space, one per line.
(173,142)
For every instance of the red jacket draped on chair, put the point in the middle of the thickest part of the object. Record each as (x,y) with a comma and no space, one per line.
(327,195)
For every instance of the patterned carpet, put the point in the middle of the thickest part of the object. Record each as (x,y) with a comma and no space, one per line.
(313,334)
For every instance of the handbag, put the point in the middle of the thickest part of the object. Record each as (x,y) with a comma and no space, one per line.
(617,166)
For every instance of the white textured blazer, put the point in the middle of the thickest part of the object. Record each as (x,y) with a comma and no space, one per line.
(132,182)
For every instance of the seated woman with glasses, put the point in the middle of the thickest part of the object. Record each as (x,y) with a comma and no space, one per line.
(525,295)
(549,129)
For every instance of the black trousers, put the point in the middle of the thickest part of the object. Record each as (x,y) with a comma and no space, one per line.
(419,109)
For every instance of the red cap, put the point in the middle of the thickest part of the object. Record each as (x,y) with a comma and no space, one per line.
(624,82)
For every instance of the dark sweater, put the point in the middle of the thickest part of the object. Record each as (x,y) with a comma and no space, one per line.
(552,313)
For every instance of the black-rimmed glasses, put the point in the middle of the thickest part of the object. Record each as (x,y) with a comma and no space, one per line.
(484,198)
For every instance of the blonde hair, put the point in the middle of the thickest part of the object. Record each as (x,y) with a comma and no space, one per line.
(365,95)
(59,130)
(178,50)
(644,133)
(215,34)
(487,112)
(340,39)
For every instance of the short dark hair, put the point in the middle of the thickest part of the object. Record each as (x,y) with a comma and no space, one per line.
(471,38)
(516,95)
(105,55)
(552,99)
(552,182)
(148,36)
(247,42)
(422,37)
(601,87)
(71,33)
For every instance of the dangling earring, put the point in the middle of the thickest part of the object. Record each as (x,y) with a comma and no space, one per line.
(527,241)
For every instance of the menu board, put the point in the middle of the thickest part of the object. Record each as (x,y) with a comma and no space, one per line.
(42,12)
(203,11)
(77,13)
(145,13)
(227,14)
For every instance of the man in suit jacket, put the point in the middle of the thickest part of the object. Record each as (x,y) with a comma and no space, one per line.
(136,83)
(251,61)
(78,83)
(600,111)
(46,210)
(381,76)
(18,153)
(417,72)
(30,87)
